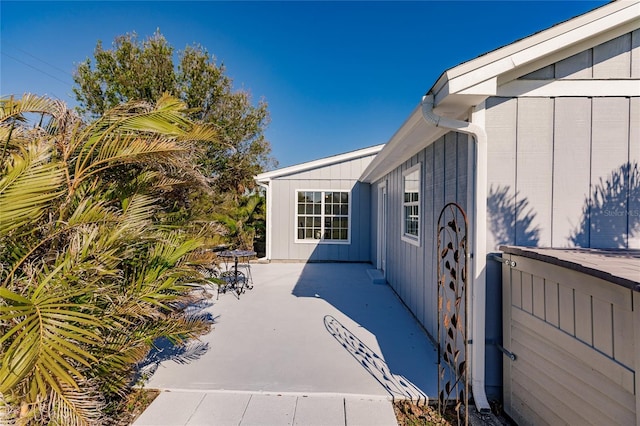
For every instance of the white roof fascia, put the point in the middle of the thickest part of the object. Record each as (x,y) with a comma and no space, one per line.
(323,162)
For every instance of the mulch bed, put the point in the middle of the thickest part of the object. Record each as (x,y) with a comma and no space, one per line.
(411,414)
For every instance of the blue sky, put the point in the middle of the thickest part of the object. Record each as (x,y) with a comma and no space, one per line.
(337,76)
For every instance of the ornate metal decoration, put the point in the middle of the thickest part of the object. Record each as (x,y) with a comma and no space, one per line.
(453,383)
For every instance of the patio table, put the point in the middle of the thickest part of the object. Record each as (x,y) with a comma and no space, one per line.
(237,278)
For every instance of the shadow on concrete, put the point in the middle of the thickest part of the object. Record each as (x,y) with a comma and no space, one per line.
(397,386)
(166,350)
(406,362)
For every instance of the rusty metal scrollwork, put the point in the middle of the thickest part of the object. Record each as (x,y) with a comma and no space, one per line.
(453,383)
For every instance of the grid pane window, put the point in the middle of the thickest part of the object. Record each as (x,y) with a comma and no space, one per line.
(309,218)
(323,215)
(411,203)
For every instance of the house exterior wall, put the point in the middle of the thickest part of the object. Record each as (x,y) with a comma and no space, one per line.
(340,176)
(559,170)
(563,171)
(411,270)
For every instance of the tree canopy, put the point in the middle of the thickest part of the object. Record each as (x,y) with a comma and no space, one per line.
(145,70)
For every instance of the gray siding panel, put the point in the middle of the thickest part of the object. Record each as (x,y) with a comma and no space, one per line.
(462,172)
(418,278)
(634,161)
(534,169)
(373,229)
(362,207)
(576,66)
(635,54)
(325,173)
(429,267)
(613,58)
(610,152)
(282,211)
(572,135)
(501,116)
(545,73)
(450,169)
(439,181)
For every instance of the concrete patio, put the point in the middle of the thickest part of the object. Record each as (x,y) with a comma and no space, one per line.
(310,344)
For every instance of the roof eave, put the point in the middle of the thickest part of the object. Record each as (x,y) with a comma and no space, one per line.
(410,138)
(323,162)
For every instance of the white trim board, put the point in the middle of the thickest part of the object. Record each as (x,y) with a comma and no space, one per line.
(556,88)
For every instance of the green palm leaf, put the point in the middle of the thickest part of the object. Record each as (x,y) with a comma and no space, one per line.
(28,184)
(35,344)
(10,107)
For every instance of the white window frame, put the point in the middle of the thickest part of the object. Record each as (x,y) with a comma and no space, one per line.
(410,238)
(322,218)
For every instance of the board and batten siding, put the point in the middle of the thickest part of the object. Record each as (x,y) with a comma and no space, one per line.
(575,339)
(562,172)
(411,269)
(618,58)
(341,176)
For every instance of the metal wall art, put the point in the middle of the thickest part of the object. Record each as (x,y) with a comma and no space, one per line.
(453,380)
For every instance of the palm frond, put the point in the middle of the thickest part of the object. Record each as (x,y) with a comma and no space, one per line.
(201,133)
(173,248)
(29,183)
(75,407)
(122,150)
(46,338)
(138,210)
(96,279)
(12,107)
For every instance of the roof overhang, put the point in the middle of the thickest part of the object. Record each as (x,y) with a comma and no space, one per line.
(406,142)
(323,162)
(460,89)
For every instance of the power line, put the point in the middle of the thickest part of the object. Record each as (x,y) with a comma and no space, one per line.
(37,69)
(66,72)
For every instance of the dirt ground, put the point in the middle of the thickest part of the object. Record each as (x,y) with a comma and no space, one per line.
(410,414)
